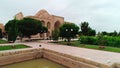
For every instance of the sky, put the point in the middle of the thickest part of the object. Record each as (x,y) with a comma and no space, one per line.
(102,15)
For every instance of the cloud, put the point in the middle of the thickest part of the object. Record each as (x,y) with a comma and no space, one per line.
(103,15)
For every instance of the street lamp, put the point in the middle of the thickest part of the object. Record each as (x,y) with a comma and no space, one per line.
(69,29)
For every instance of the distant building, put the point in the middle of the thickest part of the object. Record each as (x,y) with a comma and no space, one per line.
(50,21)
(2,27)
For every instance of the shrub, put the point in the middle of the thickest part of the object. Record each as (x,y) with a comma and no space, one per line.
(101,40)
(88,40)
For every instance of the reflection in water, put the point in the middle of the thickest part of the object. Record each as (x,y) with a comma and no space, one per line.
(38,63)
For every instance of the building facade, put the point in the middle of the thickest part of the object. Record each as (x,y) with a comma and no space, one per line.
(2,27)
(50,21)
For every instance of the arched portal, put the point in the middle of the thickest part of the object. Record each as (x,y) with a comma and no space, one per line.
(56,25)
(48,25)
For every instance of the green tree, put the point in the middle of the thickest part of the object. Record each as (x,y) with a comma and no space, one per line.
(55,35)
(119,34)
(91,32)
(43,30)
(115,33)
(28,27)
(12,30)
(1,33)
(104,33)
(84,28)
(68,31)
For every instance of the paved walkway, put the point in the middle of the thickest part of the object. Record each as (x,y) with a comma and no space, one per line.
(94,55)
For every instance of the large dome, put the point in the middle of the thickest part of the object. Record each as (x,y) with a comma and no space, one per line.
(42,12)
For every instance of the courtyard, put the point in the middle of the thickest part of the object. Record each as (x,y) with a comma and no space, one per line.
(59,34)
(96,58)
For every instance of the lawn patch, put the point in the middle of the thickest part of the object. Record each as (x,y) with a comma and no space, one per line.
(96,47)
(17,46)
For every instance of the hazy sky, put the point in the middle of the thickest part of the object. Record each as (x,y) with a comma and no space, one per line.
(102,15)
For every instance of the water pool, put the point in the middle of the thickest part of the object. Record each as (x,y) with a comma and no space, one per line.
(37,63)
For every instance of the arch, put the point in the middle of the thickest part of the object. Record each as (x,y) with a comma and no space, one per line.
(56,25)
(48,25)
(43,23)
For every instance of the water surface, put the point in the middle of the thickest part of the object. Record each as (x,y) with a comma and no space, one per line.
(38,63)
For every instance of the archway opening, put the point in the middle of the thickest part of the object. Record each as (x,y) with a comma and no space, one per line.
(57,25)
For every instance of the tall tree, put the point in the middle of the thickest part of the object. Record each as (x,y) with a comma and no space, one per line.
(84,28)
(68,31)
(12,30)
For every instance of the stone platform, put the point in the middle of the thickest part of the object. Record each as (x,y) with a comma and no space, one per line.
(72,57)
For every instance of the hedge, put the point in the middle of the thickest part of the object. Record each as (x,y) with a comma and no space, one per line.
(100,40)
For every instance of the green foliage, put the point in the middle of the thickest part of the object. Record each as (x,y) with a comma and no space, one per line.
(101,40)
(55,34)
(91,32)
(43,30)
(3,41)
(86,30)
(68,31)
(77,44)
(1,33)
(28,26)
(12,30)
(110,33)
(88,40)
(9,47)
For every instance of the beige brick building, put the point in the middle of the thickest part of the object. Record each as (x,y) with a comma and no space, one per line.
(50,21)
(2,27)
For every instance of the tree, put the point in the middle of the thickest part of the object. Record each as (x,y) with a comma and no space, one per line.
(12,30)
(91,32)
(104,33)
(55,34)
(1,33)
(84,28)
(115,33)
(119,34)
(68,31)
(28,27)
(43,30)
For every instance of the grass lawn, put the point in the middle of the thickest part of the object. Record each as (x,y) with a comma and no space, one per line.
(77,44)
(3,41)
(9,47)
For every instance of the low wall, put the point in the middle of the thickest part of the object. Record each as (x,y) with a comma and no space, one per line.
(19,55)
(64,59)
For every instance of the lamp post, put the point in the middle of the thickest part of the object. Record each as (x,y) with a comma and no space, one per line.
(68,37)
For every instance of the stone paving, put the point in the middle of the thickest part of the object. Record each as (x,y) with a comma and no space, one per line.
(90,54)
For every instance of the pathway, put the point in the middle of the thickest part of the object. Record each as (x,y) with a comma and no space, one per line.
(93,55)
